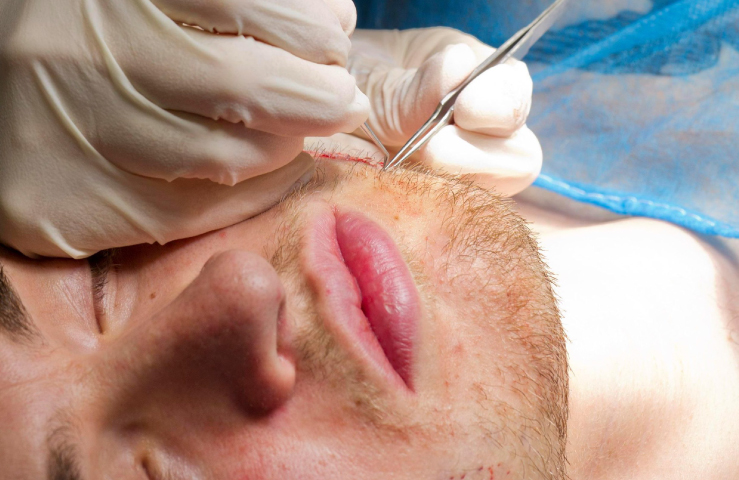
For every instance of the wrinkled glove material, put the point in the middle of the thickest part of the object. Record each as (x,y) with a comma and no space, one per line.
(636,102)
(138,121)
(406,73)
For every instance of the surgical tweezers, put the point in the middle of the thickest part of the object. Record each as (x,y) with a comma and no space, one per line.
(372,136)
(519,45)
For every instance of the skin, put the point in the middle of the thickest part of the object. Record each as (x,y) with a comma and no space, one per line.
(212,358)
(654,380)
(651,313)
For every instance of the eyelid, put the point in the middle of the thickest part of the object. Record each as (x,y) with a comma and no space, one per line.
(100,265)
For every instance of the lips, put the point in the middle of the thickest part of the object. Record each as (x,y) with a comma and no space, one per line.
(365,291)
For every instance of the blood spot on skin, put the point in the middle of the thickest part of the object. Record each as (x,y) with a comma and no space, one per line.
(345,157)
(482,473)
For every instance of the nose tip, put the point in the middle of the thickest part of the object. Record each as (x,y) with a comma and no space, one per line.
(225,335)
(240,300)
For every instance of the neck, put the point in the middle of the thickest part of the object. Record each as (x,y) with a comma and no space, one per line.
(652,325)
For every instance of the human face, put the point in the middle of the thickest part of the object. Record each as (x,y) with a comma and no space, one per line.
(373,325)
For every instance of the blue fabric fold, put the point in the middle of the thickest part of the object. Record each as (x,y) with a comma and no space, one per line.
(637,112)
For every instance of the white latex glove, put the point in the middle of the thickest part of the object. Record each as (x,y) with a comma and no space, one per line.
(406,73)
(120,125)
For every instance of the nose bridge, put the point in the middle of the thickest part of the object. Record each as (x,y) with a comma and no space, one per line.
(223,336)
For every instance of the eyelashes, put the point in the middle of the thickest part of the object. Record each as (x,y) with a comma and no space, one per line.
(100,265)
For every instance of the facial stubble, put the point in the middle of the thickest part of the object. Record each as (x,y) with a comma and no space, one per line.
(489,254)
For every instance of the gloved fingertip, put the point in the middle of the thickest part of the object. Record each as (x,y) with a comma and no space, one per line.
(497,103)
(361,100)
(458,62)
(437,76)
(357,112)
(309,167)
(346,13)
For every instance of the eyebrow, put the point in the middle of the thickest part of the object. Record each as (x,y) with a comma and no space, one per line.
(15,322)
(63,464)
(63,458)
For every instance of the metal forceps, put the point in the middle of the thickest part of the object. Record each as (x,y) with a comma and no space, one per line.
(519,45)
(371,134)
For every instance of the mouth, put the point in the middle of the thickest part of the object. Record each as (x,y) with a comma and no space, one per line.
(365,291)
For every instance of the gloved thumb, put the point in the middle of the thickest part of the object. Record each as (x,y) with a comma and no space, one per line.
(402,99)
(498,102)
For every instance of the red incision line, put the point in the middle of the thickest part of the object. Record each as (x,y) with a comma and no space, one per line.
(344,157)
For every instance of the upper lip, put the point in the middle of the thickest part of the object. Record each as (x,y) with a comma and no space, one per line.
(364,290)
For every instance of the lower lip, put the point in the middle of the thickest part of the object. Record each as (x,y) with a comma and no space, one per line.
(368,289)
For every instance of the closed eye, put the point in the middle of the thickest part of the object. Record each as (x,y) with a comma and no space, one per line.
(100,265)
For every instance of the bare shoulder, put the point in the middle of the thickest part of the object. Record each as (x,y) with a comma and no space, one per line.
(652,315)
(641,261)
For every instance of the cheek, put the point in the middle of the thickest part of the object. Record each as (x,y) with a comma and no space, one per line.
(464,359)
(310,438)
(331,448)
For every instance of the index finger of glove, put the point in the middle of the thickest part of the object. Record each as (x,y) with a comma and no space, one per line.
(314,30)
(186,208)
(239,79)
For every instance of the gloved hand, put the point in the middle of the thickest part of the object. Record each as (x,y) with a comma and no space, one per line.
(406,73)
(132,121)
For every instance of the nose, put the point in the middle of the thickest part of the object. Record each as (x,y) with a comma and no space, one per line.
(223,338)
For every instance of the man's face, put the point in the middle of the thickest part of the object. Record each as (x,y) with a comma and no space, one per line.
(373,325)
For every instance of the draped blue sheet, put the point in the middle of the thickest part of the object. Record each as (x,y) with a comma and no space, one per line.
(636,102)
